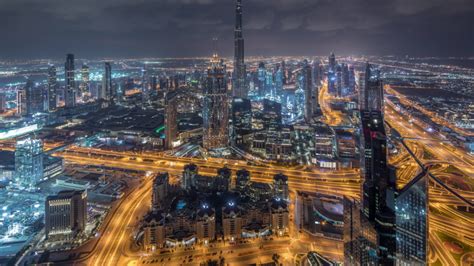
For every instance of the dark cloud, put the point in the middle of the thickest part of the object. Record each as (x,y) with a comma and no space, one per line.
(124,28)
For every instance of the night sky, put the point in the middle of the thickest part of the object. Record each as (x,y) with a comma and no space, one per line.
(176,28)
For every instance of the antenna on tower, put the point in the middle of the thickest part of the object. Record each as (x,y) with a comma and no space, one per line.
(214,47)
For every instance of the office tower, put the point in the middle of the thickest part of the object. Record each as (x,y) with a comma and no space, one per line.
(241,119)
(332,61)
(261,76)
(171,119)
(372,91)
(309,93)
(65,214)
(324,141)
(85,83)
(339,80)
(269,88)
(28,163)
(332,89)
(412,222)
(280,186)
(378,190)
(160,191)
(279,83)
(360,237)
(189,174)
(70,86)
(316,73)
(345,80)
(272,116)
(215,107)
(3,106)
(284,71)
(34,98)
(352,82)
(239,85)
(107,92)
(52,88)
(21,102)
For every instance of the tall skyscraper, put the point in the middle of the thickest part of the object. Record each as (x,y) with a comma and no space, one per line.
(412,222)
(21,102)
(378,190)
(332,79)
(171,118)
(85,83)
(239,85)
(52,88)
(28,163)
(360,237)
(65,214)
(70,86)
(261,76)
(3,106)
(107,92)
(309,93)
(372,91)
(34,98)
(215,108)
(241,119)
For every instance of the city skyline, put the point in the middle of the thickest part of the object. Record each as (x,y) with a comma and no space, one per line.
(186,28)
(238,160)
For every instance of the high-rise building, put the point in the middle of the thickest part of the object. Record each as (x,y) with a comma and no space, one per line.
(52,88)
(160,191)
(84,88)
(3,106)
(412,222)
(66,214)
(272,115)
(107,92)
(242,179)
(372,92)
(241,119)
(28,163)
(332,88)
(360,237)
(171,118)
(280,186)
(215,108)
(309,95)
(261,77)
(34,98)
(70,86)
(21,102)
(378,190)
(239,85)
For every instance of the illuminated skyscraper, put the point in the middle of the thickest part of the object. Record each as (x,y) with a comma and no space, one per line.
(261,76)
(309,93)
(241,119)
(239,85)
(70,86)
(107,92)
(34,98)
(28,163)
(372,91)
(3,106)
(215,108)
(85,84)
(52,88)
(171,118)
(65,214)
(21,102)
(378,190)
(332,89)
(412,222)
